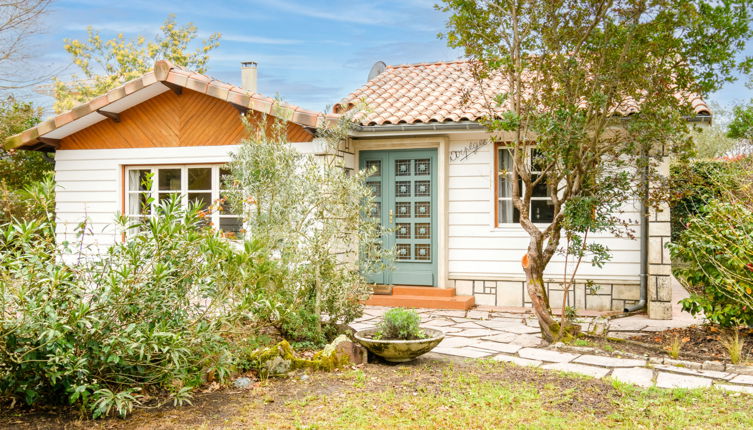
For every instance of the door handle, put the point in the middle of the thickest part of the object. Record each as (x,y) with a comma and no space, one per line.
(390,216)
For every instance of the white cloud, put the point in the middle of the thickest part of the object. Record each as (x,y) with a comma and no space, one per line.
(254,39)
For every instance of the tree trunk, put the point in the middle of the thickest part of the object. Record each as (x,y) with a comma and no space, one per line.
(550,328)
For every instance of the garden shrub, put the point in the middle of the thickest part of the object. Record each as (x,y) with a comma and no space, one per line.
(401,324)
(178,304)
(716,251)
(150,316)
(695,184)
(712,247)
(309,212)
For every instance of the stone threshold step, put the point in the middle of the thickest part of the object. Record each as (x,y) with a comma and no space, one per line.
(400,290)
(430,302)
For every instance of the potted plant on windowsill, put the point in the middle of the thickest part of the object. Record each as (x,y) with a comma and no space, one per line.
(399,338)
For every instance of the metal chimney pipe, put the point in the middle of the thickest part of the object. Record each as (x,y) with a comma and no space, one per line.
(248,76)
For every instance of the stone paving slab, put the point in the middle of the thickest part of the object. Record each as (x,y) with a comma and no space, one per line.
(500,324)
(517,360)
(592,371)
(515,338)
(469,324)
(453,342)
(475,332)
(519,329)
(673,380)
(685,371)
(527,340)
(497,346)
(736,388)
(742,379)
(502,337)
(476,314)
(599,360)
(437,322)
(546,355)
(640,376)
(466,352)
(627,325)
(446,313)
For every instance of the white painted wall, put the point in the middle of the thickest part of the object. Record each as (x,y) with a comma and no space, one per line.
(89,187)
(477,249)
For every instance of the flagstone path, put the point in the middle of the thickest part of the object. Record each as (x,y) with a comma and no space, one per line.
(515,338)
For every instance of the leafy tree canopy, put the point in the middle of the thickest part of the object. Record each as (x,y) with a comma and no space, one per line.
(22,167)
(741,126)
(107,64)
(574,70)
(19,169)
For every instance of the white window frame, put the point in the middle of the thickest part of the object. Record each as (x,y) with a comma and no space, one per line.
(215,191)
(497,172)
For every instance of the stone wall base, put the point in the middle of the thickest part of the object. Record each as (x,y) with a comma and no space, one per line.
(601,296)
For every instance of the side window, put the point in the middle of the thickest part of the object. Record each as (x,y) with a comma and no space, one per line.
(197,186)
(541,209)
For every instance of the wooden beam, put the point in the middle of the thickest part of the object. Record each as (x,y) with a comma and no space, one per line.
(112,115)
(53,143)
(242,109)
(177,89)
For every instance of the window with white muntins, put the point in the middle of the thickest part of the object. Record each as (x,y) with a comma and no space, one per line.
(541,209)
(197,184)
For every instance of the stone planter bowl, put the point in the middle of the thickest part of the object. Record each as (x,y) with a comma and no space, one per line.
(399,351)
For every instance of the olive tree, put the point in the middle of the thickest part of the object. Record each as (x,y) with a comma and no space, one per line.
(595,84)
(312,214)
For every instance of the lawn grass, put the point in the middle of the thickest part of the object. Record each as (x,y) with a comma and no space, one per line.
(448,394)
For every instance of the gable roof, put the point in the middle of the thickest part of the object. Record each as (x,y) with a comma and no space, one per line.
(165,76)
(439,92)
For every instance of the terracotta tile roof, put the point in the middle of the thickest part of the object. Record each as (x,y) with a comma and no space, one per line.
(171,76)
(437,92)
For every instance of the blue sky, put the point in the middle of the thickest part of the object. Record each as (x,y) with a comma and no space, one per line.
(312,53)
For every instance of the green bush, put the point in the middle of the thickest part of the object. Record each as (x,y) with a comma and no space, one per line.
(401,324)
(697,183)
(309,212)
(151,316)
(716,251)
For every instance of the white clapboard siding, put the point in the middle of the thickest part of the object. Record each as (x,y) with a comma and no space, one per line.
(476,247)
(89,185)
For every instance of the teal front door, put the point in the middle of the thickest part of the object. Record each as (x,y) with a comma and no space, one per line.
(405,187)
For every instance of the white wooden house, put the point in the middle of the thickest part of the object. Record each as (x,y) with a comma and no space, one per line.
(438,181)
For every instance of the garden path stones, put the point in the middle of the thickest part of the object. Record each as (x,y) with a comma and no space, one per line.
(451,341)
(685,371)
(598,360)
(502,337)
(742,379)
(673,380)
(517,360)
(527,340)
(439,323)
(640,376)
(468,324)
(592,371)
(514,338)
(546,355)
(467,352)
(737,388)
(497,346)
(474,332)
(627,325)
